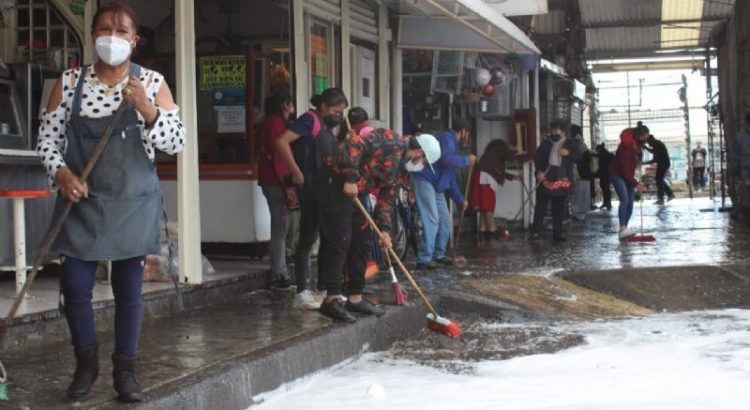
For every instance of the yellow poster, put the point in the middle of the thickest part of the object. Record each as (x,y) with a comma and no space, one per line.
(222,72)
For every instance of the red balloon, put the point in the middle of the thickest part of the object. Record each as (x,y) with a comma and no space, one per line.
(488,89)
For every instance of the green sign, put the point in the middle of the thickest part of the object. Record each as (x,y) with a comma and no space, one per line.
(223,72)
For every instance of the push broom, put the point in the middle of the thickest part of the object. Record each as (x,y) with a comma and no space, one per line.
(641,237)
(399,297)
(435,322)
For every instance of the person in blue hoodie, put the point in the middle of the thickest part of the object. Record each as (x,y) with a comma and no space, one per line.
(430,186)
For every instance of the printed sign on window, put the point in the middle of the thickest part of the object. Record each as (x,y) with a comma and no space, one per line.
(222,72)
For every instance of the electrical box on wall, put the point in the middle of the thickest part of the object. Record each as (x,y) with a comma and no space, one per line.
(523,138)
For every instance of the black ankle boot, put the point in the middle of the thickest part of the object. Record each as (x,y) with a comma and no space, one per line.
(123,376)
(87,369)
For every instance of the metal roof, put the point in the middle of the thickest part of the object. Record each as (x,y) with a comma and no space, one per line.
(636,28)
(480,23)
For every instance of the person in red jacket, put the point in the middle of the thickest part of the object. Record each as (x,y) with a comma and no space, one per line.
(622,173)
(271,173)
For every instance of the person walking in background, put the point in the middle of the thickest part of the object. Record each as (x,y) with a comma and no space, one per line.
(554,172)
(272,170)
(661,159)
(430,186)
(487,177)
(298,147)
(622,173)
(699,155)
(118,209)
(605,160)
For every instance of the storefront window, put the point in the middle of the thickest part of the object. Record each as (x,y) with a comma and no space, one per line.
(320,57)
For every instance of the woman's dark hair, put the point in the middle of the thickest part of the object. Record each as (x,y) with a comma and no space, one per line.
(575,130)
(329,97)
(119,10)
(558,124)
(357,115)
(273,104)
(641,129)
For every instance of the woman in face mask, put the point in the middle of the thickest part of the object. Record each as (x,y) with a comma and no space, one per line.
(301,147)
(117,211)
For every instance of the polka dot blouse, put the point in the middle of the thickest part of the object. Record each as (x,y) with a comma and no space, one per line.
(98,100)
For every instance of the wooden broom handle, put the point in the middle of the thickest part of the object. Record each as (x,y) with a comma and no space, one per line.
(395,257)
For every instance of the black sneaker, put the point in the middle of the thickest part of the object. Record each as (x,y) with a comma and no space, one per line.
(281,284)
(534,237)
(365,307)
(560,239)
(444,261)
(670,197)
(426,265)
(335,310)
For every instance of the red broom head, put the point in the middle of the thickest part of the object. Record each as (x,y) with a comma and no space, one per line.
(399,296)
(444,326)
(642,238)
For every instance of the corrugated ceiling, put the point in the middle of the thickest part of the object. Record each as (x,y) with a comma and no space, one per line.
(637,28)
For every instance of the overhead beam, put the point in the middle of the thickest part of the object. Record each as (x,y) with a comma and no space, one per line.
(651,22)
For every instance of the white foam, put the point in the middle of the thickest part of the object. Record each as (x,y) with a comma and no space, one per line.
(668,361)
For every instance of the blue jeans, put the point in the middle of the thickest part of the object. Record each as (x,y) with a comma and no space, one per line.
(77,284)
(626,193)
(436,221)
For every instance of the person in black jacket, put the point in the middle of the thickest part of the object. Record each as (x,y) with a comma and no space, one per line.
(605,159)
(554,173)
(661,159)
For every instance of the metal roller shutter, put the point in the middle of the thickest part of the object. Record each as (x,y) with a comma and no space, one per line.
(363,15)
(329,10)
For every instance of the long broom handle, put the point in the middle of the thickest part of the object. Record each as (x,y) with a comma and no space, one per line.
(57,224)
(463,211)
(393,254)
(528,197)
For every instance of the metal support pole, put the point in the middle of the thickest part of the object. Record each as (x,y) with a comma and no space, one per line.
(627,76)
(188,187)
(710,127)
(19,242)
(688,144)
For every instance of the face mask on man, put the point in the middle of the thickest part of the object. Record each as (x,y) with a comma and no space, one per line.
(555,137)
(412,166)
(112,50)
(332,121)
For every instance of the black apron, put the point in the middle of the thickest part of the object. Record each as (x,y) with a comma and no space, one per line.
(120,218)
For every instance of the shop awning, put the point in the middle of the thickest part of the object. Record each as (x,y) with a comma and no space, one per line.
(469,25)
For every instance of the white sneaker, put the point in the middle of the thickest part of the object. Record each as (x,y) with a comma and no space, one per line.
(305,301)
(626,233)
(319,296)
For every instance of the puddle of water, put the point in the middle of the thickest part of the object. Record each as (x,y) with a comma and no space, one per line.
(669,361)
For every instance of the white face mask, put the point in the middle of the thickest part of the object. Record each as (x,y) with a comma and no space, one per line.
(412,167)
(112,50)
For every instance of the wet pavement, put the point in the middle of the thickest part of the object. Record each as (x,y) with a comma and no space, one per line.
(235,348)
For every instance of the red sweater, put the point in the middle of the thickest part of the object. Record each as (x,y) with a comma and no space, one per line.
(271,168)
(626,158)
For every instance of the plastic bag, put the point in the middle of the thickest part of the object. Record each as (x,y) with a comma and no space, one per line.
(161,267)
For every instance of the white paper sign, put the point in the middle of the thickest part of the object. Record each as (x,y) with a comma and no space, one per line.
(230,118)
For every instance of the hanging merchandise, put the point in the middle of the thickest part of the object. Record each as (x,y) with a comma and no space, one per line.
(488,89)
(483,76)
